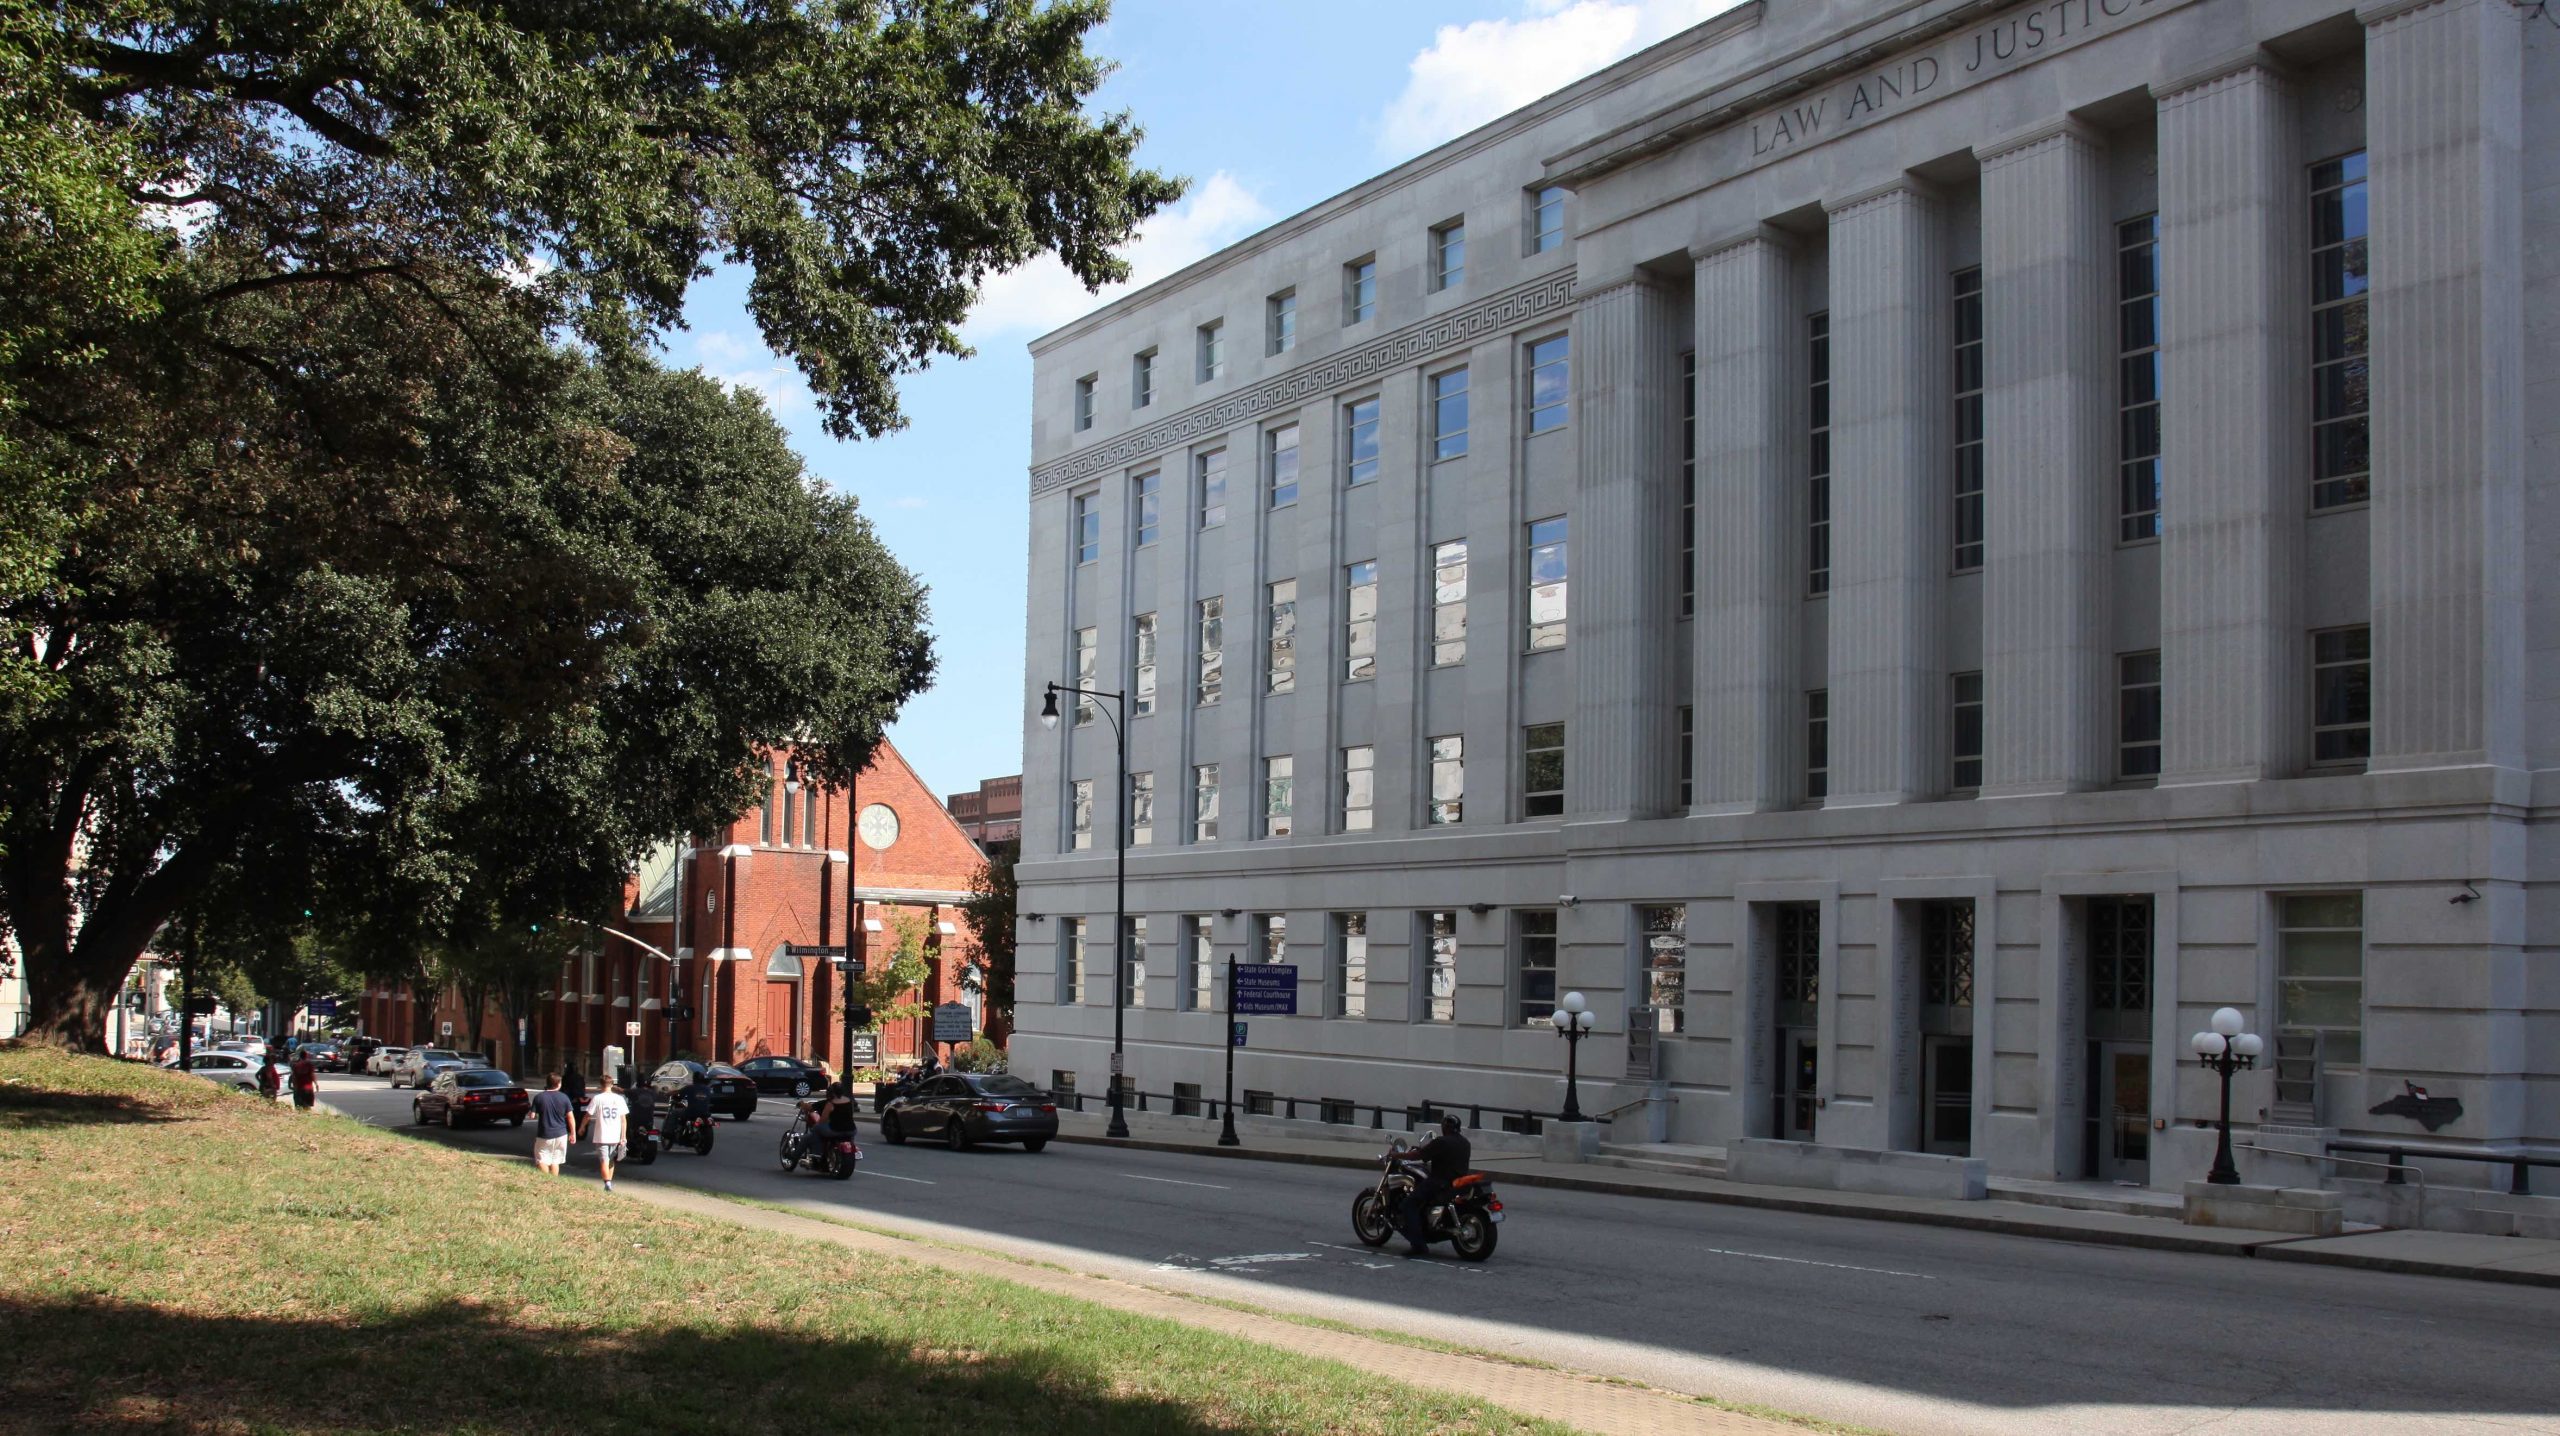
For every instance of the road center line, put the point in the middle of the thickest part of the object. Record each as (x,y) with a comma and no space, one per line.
(1170,1182)
(1807,1261)
(894,1177)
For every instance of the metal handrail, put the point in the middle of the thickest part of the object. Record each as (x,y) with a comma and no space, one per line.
(1637,1102)
(2393,1180)
(2520,1165)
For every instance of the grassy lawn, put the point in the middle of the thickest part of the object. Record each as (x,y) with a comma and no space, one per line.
(181,1258)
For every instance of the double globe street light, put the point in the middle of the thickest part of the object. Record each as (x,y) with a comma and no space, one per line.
(1572,1019)
(2225,1050)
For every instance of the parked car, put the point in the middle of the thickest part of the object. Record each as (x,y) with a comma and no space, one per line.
(411,1071)
(232,1069)
(434,1067)
(386,1060)
(966,1108)
(784,1076)
(327,1056)
(733,1093)
(466,1096)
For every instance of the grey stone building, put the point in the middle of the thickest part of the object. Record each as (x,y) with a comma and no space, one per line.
(1907,549)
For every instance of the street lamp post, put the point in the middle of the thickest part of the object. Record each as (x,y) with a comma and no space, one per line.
(1119,884)
(2225,1050)
(1572,1020)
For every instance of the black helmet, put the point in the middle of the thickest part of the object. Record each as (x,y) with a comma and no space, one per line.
(1449,1121)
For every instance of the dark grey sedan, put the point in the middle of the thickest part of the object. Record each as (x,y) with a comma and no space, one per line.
(966,1108)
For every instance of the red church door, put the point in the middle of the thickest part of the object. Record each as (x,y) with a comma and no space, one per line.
(781,1007)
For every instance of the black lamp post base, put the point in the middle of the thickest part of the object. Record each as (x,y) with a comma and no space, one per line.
(1119,1124)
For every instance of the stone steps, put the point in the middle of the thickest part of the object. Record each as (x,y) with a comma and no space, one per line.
(1665,1158)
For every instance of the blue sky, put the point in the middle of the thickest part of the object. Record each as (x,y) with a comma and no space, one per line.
(1267,108)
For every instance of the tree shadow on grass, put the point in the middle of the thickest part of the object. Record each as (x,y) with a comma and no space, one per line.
(93,1365)
(26,1109)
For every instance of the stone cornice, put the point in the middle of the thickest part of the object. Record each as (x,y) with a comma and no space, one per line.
(1549,294)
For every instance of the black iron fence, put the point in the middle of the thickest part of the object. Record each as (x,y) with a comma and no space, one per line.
(1334,1111)
(2519,1182)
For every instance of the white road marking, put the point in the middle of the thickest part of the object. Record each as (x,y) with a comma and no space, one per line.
(1170,1182)
(1259,1259)
(894,1177)
(1807,1261)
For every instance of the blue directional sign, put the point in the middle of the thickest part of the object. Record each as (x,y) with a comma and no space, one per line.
(1235,1034)
(1267,989)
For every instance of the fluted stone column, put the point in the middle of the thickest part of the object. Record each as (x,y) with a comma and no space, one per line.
(1625,551)
(2047,263)
(1751,555)
(2443,86)
(1889,498)
(2236,477)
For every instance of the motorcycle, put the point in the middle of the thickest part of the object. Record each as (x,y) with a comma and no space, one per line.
(833,1153)
(1468,1217)
(696,1132)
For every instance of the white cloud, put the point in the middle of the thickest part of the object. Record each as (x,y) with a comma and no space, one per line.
(746,364)
(1479,71)
(1042,295)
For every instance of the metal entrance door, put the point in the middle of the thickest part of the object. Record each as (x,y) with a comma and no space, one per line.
(2124,1107)
(1946,1095)
(1798,1059)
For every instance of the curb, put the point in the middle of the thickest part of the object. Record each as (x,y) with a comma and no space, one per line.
(2404,1266)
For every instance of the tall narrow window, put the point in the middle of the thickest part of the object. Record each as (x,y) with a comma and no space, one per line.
(1799,952)
(2341,464)
(1542,769)
(1449,255)
(1088,655)
(2119,954)
(1142,665)
(1359,291)
(1142,810)
(1280,322)
(1818,456)
(1213,659)
(1204,963)
(1133,972)
(1360,621)
(1946,954)
(790,813)
(2320,979)
(1688,741)
(809,804)
(1142,379)
(1088,528)
(1279,795)
(1146,494)
(2138,715)
(1080,814)
(1688,482)
(1072,970)
(1359,787)
(1817,744)
(1271,940)
(1280,465)
(1964,729)
(1209,472)
(1547,565)
(1448,780)
(1550,383)
(1204,803)
(1546,218)
(1664,935)
(1439,963)
(2138,379)
(1280,647)
(1533,978)
(1448,603)
(1968,387)
(1213,350)
(1359,442)
(2342,695)
(1448,414)
(1084,402)
(1351,964)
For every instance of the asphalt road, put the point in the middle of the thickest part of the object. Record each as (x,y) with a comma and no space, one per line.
(1904,1328)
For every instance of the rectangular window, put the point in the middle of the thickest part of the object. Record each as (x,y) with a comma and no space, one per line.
(1964,730)
(2138,379)
(1799,951)
(771,809)
(1142,379)
(1351,964)
(1542,769)
(1817,565)
(1688,482)
(1448,780)
(2320,980)
(1088,655)
(2119,954)
(1080,814)
(1550,383)
(1204,963)
(2342,695)
(1213,350)
(1072,970)
(1546,218)
(1280,322)
(1280,602)
(1439,966)
(2138,715)
(1209,471)
(809,820)
(1204,803)
(1663,933)
(1271,937)
(1359,291)
(1359,787)
(1360,621)
(1279,795)
(1084,402)
(1817,744)
(2341,465)
(1449,255)
(1547,541)
(1142,809)
(1688,752)
(1534,967)
(1448,415)
(1142,665)
(1133,972)
(1088,528)
(1147,503)
(790,812)
(1359,442)
(1968,387)
(1448,603)
(1213,658)
(1946,954)
(1280,465)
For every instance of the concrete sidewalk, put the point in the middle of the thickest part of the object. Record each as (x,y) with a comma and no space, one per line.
(2523,1260)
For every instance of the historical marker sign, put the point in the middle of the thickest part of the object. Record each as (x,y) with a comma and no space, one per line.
(953,1022)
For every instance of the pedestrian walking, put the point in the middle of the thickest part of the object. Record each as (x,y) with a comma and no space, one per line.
(306,1081)
(270,1076)
(573,1084)
(608,1116)
(555,1123)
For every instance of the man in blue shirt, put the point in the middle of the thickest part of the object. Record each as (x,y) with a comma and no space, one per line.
(555,1124)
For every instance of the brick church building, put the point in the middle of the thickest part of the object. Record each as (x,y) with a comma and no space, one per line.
(750,920)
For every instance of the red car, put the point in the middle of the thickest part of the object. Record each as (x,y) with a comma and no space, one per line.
(471,1096)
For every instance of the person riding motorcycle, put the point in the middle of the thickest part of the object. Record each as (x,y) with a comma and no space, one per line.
(1446,1157)
(831,1110)
(693,1103)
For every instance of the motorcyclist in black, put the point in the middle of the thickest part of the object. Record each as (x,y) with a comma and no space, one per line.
(1447,1156)
(644,1101)
(694,1102)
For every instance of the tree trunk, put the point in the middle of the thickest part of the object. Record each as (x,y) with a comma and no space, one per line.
(69,994)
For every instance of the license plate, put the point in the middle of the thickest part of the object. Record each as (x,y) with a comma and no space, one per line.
(1497,1216)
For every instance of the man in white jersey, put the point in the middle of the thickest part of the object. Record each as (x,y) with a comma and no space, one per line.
(608,1120)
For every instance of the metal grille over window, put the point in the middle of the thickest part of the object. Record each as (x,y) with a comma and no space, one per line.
(1212,639)
(2138,379)
(1818,456)
(1542,746)
(1281,647)
(2341,471)
(1946,954)
(1799,936)
(1664,932)
(1360,621)
(1448,780)
(1968,387)
(2342,695)
(1449,603)
(1440,967)
(2120,954)
(1535,979)
(1547,568)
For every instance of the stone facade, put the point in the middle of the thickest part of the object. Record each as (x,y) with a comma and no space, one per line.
(1866,814)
